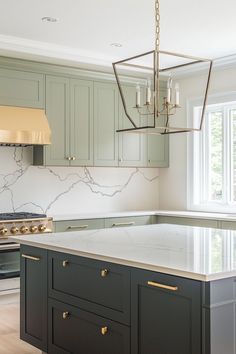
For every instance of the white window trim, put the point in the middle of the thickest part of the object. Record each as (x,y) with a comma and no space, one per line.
(216,99)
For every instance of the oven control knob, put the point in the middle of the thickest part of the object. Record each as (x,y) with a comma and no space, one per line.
(33,228)
(3,231)
(42,228)
(24,229)
(14,230)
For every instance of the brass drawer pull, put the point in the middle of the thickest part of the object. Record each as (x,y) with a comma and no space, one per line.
(123,224)
(104,273)
(26,256)
(162,286)
(104,330)
(77,227)
(65,263)
(65,315)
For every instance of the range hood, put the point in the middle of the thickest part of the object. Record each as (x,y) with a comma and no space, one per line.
(23,126)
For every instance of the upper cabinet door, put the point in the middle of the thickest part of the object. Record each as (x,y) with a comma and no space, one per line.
(81,128)
(158,145)
(21,89)
(105,124)
(132,146)
(57,111)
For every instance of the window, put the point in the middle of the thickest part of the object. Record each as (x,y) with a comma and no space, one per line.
(212,159)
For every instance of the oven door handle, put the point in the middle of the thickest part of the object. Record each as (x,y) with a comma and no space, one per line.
(13,246)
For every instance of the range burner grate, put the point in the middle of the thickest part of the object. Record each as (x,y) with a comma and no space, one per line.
(21,215)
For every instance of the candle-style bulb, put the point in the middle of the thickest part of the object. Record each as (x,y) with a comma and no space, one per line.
(138,95)
(148,93)
(169,89)
(177,94)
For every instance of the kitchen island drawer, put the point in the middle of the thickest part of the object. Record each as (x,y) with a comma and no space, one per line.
(78,225)
(128,221)
(102,287)
(74,331)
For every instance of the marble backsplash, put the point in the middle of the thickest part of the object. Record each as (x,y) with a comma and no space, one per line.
(71,190)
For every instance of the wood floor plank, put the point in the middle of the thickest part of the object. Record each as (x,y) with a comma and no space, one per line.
(10,342)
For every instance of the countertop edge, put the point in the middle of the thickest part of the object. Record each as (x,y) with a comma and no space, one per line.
(133,264)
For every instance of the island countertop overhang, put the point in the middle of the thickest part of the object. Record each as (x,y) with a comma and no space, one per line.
(197,253)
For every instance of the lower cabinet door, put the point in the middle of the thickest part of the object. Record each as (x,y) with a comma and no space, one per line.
(74,331)
(166,314)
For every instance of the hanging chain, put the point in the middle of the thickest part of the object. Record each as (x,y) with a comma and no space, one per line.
(157,23)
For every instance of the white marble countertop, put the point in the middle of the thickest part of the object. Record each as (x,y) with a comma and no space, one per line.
(187,214)
(198,253)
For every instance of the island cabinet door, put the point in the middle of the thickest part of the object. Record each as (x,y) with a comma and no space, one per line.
(166,314)
(74,331)
(33,298)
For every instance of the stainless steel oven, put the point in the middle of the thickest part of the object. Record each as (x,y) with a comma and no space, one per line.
(16,224)
(9,267)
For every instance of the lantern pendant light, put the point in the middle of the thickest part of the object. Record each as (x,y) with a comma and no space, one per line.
(157,113)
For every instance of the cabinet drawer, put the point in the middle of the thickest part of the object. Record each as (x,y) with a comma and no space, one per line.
(102,287)
(228,225)
(186,221)
(128,221)
(79,225)
(74,331)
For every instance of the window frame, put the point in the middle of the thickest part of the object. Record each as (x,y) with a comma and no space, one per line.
(196,142)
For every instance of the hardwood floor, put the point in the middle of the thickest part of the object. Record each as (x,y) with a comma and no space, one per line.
(10,342)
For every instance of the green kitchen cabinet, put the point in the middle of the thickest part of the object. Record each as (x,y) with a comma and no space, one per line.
(105,124)
(70,113)
(158,145)
(21,88)
(81,122)
(132,146)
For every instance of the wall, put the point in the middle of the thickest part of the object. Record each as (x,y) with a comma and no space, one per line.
(62,190)
(173,181)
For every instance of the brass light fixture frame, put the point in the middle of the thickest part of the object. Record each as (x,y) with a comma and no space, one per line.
(156,71)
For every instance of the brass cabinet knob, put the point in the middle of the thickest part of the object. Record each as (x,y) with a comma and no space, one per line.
(104,272)
(65,263)
(33,228)
(42,228)
(14,230)
(73,158)
(24,229)
(65,315)
(3,231)
(104,330)
(69,158)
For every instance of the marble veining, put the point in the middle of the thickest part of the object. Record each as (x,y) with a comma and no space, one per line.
(192,252)
(69,189)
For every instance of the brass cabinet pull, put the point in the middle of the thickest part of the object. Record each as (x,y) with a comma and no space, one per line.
(73,158)
(77,227)
(104,330)
(104,273)
(65,315)
(65,263)
(30,257)
(123,224)
(162,286)
(69,158)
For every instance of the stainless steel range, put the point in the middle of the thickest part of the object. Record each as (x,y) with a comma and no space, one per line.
(15,224)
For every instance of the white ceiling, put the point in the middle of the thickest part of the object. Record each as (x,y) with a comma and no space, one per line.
(86,28)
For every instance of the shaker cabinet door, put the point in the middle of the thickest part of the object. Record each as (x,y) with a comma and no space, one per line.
(105,124)
(57,111)
(81,127)
(132,146)
(33,296)
(166,314)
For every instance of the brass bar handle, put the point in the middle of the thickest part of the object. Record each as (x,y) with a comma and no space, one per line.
(65,263)
(65,315)
(162,286)
(104,273)
(123,224)
(104,330)
(77,227)
(26,256)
